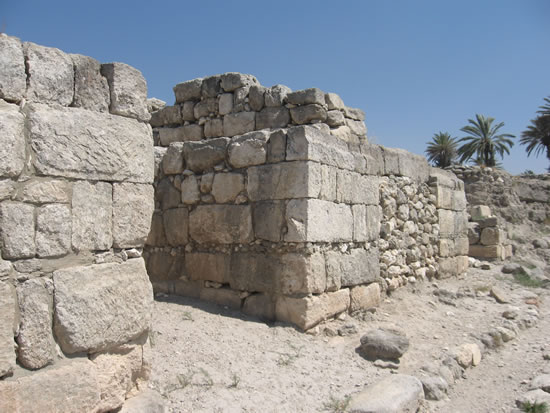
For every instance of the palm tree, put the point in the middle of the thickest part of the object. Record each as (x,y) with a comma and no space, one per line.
(442,150)
(537,135)
(484,141)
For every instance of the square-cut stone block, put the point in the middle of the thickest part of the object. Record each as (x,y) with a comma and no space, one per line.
(133,206)
(222,224)
(17,230)
(12,140)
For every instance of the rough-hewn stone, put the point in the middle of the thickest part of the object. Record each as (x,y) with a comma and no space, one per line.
(128,90)
(272,117)
(44,190)
(12,69)
(276,95)
(101,306)
(81,144)
(12,140)
(357,267)
(53,230)
(91,89)
(227,186)
(50,75)
(306,97)
(239,123)
(92,216)
(269,220)
(190,90)
(176,225)
(202,156)
(248,150)
(172,162)
(364,297)
(308,114)
(35,339)
(133,206)
(223,224)
(17,230)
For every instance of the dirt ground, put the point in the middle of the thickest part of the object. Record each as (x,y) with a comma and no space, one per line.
(207,358)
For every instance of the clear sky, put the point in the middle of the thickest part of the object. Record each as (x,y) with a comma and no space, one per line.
(415,67)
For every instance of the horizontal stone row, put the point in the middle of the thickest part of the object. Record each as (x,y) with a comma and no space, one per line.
(97,216)
(215,106)
(297,220)
(48,75)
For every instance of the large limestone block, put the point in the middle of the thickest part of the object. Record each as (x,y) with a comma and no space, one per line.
(101,306)
(204,155)
(133,206)
(53,230)
(412,165)
(176,226)
(302,115)
(7,188)
(269,220)
(225,224)
(306,312)
(68,388)
(276,96)
(359,266)
(487,251)
(354,188)
(92,219)
(157,235)
(12,140)
(356,127)
(334,102)
(239,123)
(35,339)
(248,150)
(167,116)
(492,236)
(42,191)
(164,266)
(17,230)
(315,220)
(233,80)
(306,97)
(13,80)
(185,133)
(359,223)
(289,180)
(211,86)
(480,212)
(8,322)
(354,113)
(81,144)
(91,89)
(287,274)
(190,193)
(51,75)
(190,90)
(397,393)
(213,128)
(256,97)
(128,90)
(311,143)
(364,297)
(172,162)
(446,223)
(227,186)
(208,266)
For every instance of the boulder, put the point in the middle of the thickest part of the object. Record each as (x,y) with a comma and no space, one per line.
(541,382)
(435,387)
(384,344)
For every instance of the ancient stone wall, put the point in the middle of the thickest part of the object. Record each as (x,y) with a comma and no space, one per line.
(76,168)
(274,201)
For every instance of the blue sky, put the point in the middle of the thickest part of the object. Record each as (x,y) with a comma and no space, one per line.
(415,67)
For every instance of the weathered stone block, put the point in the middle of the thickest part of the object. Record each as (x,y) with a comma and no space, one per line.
(101,306)
(306,97)
(334,102)
(335,118)
(310,143)
(7,188)
(269,219)
(53,230)
(8,321)
(260,305)
(239,123)
(358,267)
(414,166)
(190,190)
(272,117)
(213,128)
(13,80)
(158,155)
(133,206)
(12,140)
(256,97)
(81,144)
(288,273)
(374,218)
(306,312)
(233,80)
(248,150)
(279,181)
(488,222)
(479,212)
(314,220)
(276,146)
(364,297)
(444,197)
(51,75)
(486,251)
(462,246)
(157,236)
(359,222)
(42,191)
(202,156)
(205,108)
(167,195)
(176,224)
(71,388)
(227,186)
(190,90)
(208,266)
(172,162)
(91,89)
(391,161)
(163,266)
(128,90)
(492,236)
(188,111)
(211,86)
(167,116)
(35,339)
(308,114)
(92,219)
(459,200)
(354,113)
(225,104)
(224,224)
(356,127)
(446,223)
(17,230)
(354,188)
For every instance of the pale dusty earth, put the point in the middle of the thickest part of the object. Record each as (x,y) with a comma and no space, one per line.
(207,358)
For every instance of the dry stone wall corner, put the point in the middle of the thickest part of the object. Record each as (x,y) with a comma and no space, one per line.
(76,200)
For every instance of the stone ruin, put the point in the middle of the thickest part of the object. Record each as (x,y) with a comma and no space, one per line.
(262,199)
(275,202)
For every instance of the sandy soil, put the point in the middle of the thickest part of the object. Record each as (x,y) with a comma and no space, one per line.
(207,358)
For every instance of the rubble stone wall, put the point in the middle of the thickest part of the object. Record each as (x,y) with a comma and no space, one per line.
(274,202)
(76,199)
